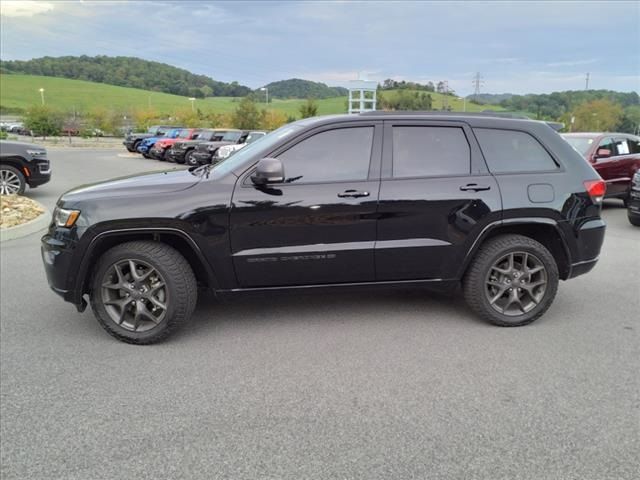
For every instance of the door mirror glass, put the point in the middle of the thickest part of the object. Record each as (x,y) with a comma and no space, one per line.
(603,153)
(268,170)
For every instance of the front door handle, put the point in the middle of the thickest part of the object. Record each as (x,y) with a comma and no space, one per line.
(353,194)
(474,187)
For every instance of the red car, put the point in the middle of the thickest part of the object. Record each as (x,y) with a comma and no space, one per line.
(615,156)
(160,148)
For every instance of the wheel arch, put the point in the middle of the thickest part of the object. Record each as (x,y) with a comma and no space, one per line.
(543,230)
(175,238)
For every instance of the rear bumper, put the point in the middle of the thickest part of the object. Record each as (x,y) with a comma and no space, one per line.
(589,240)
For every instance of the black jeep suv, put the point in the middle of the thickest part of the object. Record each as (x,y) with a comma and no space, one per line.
(22,164)
(504,206)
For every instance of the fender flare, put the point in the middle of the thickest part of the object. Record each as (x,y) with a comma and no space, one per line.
(486,231)
(78,284)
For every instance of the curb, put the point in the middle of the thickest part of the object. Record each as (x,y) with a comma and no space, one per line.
(32,226)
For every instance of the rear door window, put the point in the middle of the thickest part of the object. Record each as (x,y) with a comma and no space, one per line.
(509,151)
(426,151)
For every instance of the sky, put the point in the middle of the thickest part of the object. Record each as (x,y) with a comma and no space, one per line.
(517,46)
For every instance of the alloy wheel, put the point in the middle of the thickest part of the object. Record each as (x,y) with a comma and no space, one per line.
(516,283)
(134,295)
(9,183)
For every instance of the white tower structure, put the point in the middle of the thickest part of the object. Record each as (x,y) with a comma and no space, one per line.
(362,96)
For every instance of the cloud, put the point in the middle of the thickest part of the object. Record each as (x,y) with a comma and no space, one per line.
(572,63)
(24,8)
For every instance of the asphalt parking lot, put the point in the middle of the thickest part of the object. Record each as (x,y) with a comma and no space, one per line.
(398,385)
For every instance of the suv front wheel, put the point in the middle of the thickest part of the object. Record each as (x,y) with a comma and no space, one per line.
(512,281)
(142,291)
(12,181)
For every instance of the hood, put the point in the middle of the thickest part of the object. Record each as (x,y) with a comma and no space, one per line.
(132,186)
(213,145)
(140,135)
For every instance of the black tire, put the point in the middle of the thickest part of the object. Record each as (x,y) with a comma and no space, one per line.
(177,283)
(634,220)
(479,281)
(146,155)
(163,155)
(190,160)
(12,181)
(136,145)
(625,201)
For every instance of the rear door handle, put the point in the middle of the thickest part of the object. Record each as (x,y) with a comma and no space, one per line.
(474,187)
(353,194)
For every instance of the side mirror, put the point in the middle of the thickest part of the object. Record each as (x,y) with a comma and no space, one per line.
(603,153)
(268,170)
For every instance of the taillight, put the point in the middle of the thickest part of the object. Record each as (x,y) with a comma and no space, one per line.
(596,189)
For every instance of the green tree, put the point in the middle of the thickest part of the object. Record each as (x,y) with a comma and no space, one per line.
(309,109)
(43,121)
(597,115)
(247,116)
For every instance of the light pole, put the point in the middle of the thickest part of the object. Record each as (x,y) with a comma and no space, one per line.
(266,91)
(193,103)
(42,95)
(464,103)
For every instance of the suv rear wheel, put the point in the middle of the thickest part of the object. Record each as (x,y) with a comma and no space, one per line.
(142,291)
(12,181)
(512,281)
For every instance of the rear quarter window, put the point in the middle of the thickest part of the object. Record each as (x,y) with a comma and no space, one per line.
(509,151)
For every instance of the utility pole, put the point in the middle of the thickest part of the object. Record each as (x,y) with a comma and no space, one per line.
(445,100)
(586,83)
(477,83)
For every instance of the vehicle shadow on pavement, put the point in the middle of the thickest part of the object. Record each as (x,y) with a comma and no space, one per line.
(326,307)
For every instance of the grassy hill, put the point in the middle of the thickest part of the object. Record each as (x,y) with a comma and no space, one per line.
(22,91)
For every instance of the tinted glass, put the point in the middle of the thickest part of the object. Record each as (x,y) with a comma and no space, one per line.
(581,144)
(184,133)
(622,146)
(430,151)
(634,144)
(607,144)
(334,155)
(511,151)
(232,136)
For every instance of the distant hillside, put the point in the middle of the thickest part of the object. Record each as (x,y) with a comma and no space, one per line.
(490,98)
(127,72)
(298,88)
(19,92)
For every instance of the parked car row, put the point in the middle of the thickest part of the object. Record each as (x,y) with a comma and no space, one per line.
(191,146)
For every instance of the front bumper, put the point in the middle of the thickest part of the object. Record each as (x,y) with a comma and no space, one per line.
(143,149)
(57,257)
(633,205)
(157,153)
(176,155)
(38,172)
(202,157)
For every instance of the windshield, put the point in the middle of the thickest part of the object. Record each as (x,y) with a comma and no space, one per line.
(253,136)
(581,144)
(231,136)
(256,148)
(172,133)
(184,134)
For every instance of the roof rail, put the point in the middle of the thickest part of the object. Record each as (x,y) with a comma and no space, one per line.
(485,113)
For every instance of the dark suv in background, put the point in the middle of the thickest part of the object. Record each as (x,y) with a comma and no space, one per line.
(22,164)
(503,206)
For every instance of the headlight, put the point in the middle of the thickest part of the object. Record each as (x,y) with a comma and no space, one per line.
(212,148)
(37,153)
(223,152)
(65,218)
